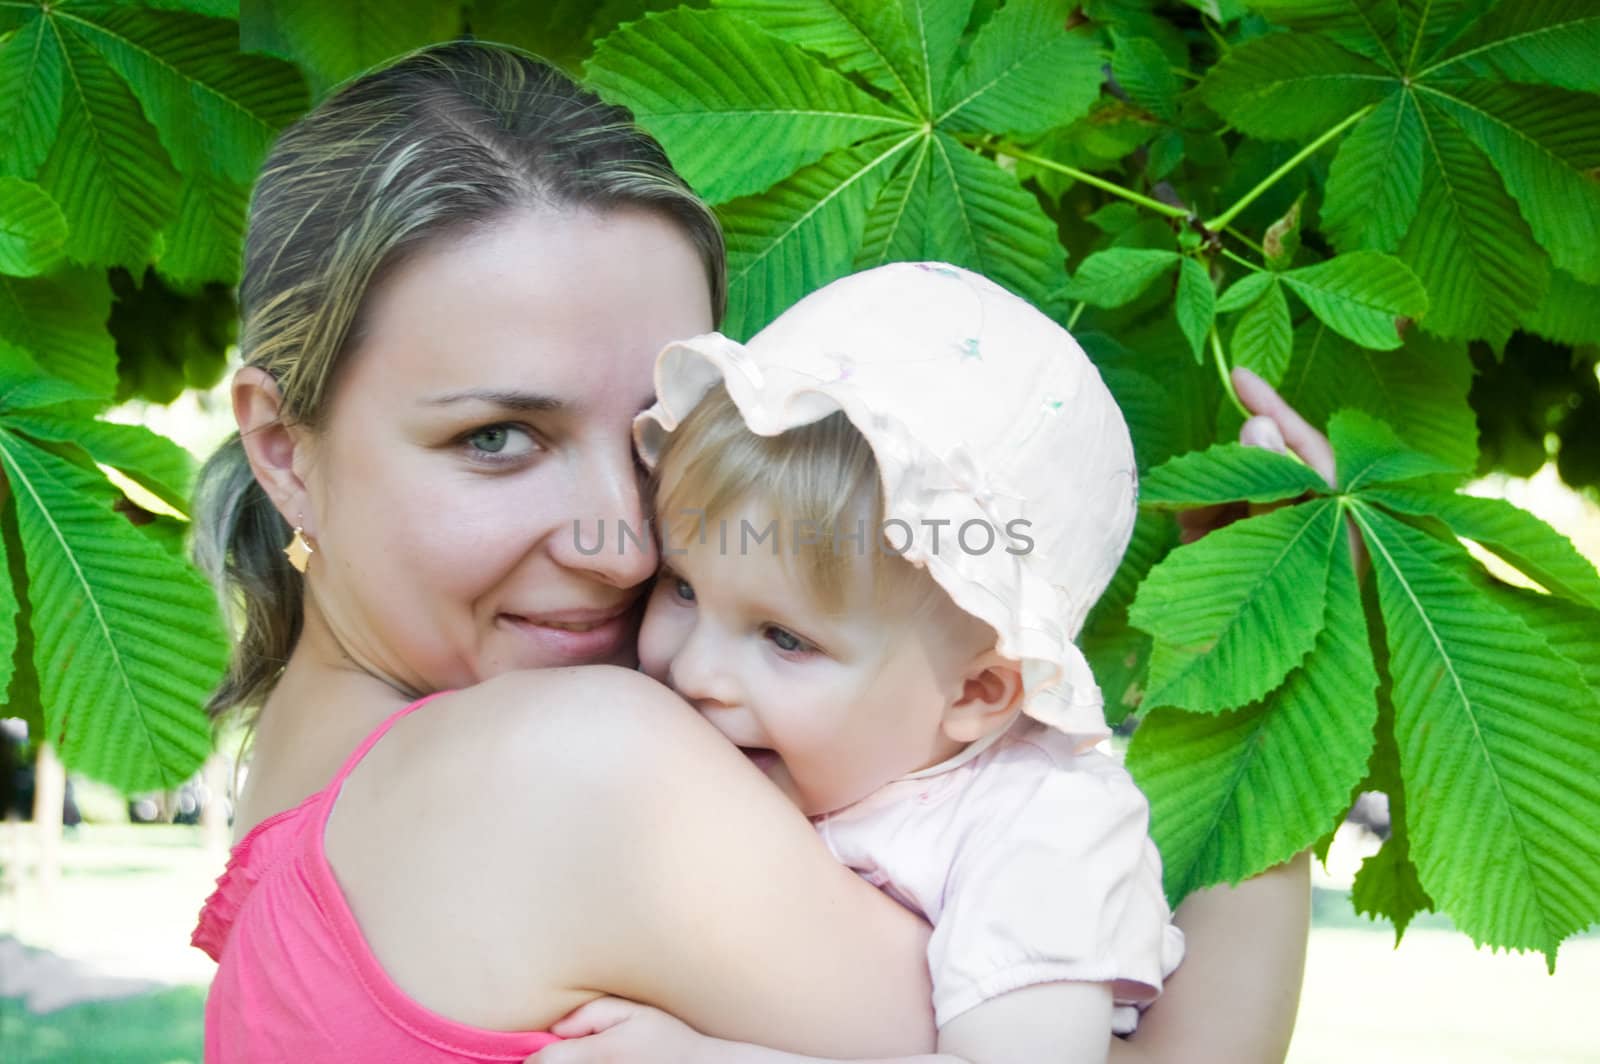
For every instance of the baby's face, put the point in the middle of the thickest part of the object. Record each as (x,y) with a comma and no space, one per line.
(830,706)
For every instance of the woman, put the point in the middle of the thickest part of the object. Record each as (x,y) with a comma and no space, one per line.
(458,272)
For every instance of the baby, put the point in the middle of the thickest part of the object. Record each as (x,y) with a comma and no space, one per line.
(883,522)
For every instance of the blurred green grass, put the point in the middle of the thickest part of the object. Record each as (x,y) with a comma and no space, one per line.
(165,1027)
(1436,999)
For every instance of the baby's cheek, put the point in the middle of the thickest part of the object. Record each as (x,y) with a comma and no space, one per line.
(778,772)
(658,640)
(829,777)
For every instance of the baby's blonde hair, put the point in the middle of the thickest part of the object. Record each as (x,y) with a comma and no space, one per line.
(821,475)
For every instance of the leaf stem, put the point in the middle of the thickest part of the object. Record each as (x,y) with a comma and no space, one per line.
(1222,220)
(1007,148)
(1242,261)
(1077,312)
(1246,241)
(1224,373)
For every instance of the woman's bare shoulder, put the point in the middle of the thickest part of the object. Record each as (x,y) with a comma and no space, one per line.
(509,815)
(550,718)
(601,737)
(585,698)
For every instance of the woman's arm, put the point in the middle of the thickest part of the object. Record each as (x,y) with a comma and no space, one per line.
(1048,1023)
(1232,1001)
(1064,1022)
(1234,998)
(675,875)
(614,1029)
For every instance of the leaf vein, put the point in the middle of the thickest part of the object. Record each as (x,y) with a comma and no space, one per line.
(781,236)
(121,670)
(1500,42)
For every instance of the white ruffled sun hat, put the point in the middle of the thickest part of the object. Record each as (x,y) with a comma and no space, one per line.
(978,408)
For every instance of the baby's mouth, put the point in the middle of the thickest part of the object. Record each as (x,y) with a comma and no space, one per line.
(760,757)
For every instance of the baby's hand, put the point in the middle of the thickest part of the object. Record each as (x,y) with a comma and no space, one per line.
(614,1030)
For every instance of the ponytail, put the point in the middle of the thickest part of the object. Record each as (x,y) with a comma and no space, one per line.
(238,542)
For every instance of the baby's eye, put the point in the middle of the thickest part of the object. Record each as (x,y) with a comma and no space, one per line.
(680,589)
(502,441)
(787,641)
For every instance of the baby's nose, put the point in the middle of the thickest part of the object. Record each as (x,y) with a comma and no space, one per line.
(701,681)
(707,705)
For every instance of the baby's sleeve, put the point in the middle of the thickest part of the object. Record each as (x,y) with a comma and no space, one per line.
(1055,879)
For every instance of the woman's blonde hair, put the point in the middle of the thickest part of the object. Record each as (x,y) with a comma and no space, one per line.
(445,141)
(820,477)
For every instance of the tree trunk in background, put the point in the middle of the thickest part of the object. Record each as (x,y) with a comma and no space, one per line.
(214,812)
(49,799)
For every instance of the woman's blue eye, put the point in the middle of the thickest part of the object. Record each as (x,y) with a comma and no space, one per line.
(504,442)
(682,590)
(491,440)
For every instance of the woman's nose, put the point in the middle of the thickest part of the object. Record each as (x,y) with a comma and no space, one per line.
(610,535)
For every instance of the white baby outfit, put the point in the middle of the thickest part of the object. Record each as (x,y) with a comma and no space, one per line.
(1033,864)
(1029,851)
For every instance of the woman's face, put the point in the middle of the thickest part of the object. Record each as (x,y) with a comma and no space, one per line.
(482,421)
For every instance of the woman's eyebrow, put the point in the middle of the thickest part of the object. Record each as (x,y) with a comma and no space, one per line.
(511,400)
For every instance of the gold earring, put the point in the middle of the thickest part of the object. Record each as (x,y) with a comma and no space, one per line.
(299,550)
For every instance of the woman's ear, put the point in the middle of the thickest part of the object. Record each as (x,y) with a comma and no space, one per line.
(272,446)
(991,689)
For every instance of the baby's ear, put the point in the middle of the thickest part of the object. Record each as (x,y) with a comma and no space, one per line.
(990,691)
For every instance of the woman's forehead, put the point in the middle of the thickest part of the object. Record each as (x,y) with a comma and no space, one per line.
(552,303)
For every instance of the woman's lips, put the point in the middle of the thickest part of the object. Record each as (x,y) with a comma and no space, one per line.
(574,626)
(577,636)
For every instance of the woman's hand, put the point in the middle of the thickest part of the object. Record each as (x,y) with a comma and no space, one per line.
(1276,426)
(612,1030)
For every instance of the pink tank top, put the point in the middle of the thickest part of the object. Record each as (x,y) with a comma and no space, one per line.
(295,979)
